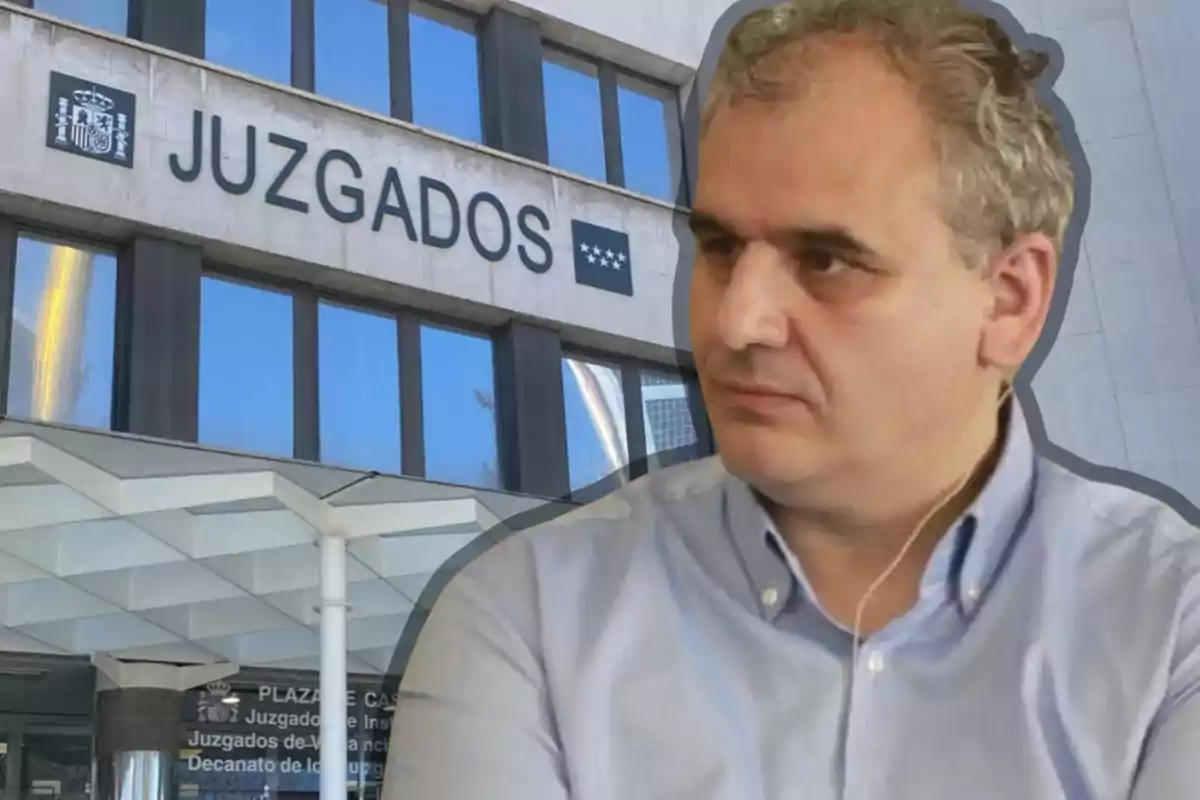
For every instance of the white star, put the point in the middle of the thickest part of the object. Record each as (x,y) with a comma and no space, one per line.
(596,250)
(621,257)
(604,262)
(583,248)
(591,259)
(609,253)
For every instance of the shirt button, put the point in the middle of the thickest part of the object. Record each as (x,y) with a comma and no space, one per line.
(973,592)
(770,596)
(875,662)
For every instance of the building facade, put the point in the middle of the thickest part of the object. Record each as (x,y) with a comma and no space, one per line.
(301,300)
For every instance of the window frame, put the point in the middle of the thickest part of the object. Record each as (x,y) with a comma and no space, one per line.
(306,299)
(399,48)
(564,56)
(624,474)
(33,4)
(632,368)
(610,75)
(263,281)
(703,428)
(12,230)
(471,329)
(304,50)
(300,40)
(453,16)
(675,138)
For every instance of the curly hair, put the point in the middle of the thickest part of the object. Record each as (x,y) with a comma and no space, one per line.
(1006,168)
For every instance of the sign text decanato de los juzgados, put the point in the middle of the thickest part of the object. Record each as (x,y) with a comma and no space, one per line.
(99,122)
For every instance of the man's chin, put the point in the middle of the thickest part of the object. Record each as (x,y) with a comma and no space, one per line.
(764,458)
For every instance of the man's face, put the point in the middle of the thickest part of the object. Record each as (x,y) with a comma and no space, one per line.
(833,321)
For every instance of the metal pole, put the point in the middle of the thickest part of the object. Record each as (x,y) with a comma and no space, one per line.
(333,668)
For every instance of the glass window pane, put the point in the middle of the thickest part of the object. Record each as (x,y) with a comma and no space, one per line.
(246,397)
(359,375)
(574,125)
(445,72)
(56,764)
(104,15)
(650,138)
(252,37)
(458,390)
(667,416)
(352,52)
(63,330)
(597,445)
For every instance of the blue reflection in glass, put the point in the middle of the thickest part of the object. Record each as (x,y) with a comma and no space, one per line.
(445,74)
(246,396)
(104,15)
(352,53)
(458,391)
(595,407)
(574,124)
(359,376)
(647,149)
(667,417)
(63,329)
(252,37)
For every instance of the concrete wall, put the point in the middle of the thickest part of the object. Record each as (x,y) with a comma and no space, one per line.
(1121,385)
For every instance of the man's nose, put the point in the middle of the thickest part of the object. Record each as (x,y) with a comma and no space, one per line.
(753,312)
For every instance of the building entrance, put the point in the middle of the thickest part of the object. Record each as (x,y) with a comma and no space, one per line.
(44,758)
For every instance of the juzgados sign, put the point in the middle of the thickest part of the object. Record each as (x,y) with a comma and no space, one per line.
(99,122)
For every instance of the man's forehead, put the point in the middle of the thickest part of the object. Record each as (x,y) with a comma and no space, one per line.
(770,166)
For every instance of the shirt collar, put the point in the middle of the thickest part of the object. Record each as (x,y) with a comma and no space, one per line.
(963,566)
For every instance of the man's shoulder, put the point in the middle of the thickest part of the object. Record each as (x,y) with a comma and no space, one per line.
(615,525)
(1125,504)
(1137,535)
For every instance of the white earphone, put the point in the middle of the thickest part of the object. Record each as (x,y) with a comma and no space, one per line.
(891,568)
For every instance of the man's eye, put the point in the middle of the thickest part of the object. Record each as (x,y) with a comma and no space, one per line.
(821,262)
(723,247)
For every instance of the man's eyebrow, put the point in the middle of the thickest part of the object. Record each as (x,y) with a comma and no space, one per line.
(832,238)
(703,222)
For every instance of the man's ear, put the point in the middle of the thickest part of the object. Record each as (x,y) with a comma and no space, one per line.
(1021,280)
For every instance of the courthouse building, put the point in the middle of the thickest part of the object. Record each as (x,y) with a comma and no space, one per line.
(300,298)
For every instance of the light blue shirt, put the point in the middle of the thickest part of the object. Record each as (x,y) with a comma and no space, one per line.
(659,644)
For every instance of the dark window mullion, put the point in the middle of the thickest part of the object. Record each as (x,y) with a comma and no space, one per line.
(123,340)
(610,113)
(705,441)
(400,59)
(635,423)
(306,438)
(412,411)
(304,74)
(8,279)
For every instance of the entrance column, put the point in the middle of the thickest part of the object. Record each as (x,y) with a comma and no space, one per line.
(139,724)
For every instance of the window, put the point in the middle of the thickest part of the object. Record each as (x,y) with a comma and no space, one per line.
(246,397)
(595,408)
(351,57)
(252,37)
(458,391)
(359,375)
(650,138)
(63,331)
(444,51)
(104,15)
(667,415)
(574,123)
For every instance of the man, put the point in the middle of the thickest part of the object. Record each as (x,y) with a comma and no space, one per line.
(878,590)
